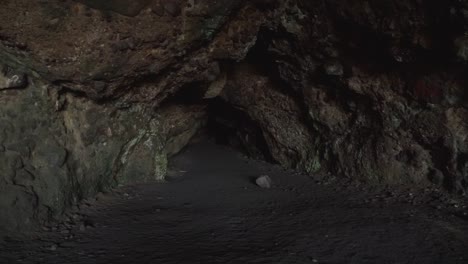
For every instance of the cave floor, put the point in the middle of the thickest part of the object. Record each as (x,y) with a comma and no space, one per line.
(210,211)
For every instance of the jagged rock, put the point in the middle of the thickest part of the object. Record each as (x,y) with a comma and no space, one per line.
(53,247)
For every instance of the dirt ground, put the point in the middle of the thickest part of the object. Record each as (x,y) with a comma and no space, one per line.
(210,211)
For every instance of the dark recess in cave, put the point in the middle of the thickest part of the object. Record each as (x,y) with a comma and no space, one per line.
(189,94)
(226,125)
(230,126)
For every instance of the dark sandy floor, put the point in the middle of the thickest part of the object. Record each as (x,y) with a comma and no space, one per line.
(211,212)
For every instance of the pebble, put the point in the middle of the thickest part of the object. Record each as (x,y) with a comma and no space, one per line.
(264,181)
(53,247)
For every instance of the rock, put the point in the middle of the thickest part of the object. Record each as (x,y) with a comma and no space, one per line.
(216,87)
(53,247)
(264,181)
(9,80)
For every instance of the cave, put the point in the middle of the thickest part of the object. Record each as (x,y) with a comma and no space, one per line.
(223,123)
(264,131)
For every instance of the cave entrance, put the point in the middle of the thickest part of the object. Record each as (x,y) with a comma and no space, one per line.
(225,124)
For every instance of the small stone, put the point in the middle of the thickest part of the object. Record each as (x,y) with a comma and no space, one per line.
(82,227)
(53,247)
(264,181)
(216,87)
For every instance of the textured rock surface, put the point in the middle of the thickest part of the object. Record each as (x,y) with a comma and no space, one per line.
(56,150)
(369,90)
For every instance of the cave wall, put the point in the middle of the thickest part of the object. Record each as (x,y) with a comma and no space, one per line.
(383,85)
(370,90)
(57,149)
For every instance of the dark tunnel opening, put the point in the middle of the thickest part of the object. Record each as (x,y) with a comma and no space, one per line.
(225,124)
(230,126)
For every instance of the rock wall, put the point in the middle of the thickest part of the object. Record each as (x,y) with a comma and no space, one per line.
(91,91)
(363,89)
(382,84)
(58,148)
